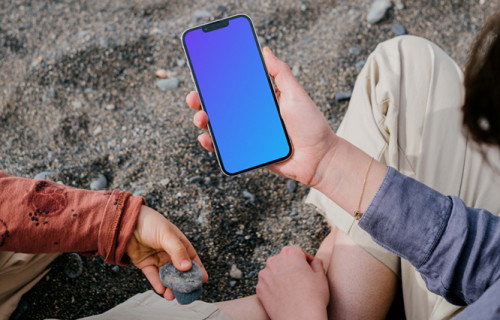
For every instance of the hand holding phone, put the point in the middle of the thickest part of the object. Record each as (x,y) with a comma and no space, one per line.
(237,94)
(309,131)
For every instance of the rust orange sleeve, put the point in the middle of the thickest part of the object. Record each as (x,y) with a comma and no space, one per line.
(38,216)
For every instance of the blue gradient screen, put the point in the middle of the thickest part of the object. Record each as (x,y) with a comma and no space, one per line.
(235,91)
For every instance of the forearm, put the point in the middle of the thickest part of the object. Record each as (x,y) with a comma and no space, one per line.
(341,175)
(39,216)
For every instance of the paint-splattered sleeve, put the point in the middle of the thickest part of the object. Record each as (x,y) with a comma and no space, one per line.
(38,216)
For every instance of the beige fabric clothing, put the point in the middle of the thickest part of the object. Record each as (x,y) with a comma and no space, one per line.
(149,305)
(405,111)
(19,272)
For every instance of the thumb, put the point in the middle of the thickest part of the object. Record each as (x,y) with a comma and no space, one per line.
(177,252)
(317,266)
(279,70)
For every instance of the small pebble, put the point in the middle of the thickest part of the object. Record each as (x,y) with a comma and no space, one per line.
(52,93)
(342,96)
(378,10)
(77,104)
(303,7)
(167,84)
(100,183)
(97,130)
(360,64)
(43,175)
(400,5)
(110,107)
(262,40)
(195,179)
(207,180)
(250,197)
(355,51)
(181,62)
(200,14)
(235,273)
(116,269)
(74,268)
(398,29)
(164,182)
(291,185)
(161,73)
(296,70)
(232,283)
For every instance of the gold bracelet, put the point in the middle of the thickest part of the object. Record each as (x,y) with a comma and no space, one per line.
(357,214)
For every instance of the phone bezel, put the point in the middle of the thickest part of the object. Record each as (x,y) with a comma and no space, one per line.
(271,87)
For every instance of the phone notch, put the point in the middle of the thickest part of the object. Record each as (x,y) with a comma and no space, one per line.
(215,25)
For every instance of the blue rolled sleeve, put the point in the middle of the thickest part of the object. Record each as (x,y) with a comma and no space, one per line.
(455,248)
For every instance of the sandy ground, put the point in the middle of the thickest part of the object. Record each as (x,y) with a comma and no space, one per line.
(79,98)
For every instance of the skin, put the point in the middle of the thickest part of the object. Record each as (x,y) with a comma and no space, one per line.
(337,168)
(155,242)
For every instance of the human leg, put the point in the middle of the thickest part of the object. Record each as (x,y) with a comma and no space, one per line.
(19,272)
(405,112)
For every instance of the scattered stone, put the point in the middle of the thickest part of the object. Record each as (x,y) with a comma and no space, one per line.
(167,84)
(161,73)
(296,70)
(76,104)
(103,43)
(378,10)
(398,29)
(164,182)
(355,51)
(139,193)
(52,93)
(202,219)
(360,64)
(291,185)
(251,274)
(43,175)
(303,7)
(448,52)
(200,14)
(250,197)
(235,273)
(400,5)
(195,179)
(262,40)
(74,267)
(232,283)
(342,96)
(293,213)
(100,183)
(187,286)
(306,41)
(97,130)
(181,62)
(116,269)
(110,107)
(207,180)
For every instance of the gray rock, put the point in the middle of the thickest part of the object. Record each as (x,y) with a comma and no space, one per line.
(164,182)
(100,183)
(232,283)
(207,180)
(398,29)
(139,193)
(378,10)
(355,51)
(43,175)
(110,107)
(187,298)
(360,64)
(291,185)
(195,179)
(400,5)
(262,40)
(184,282)
(307,40)
(181,62)
(235,273)
(167,84)
(250,197)
(52,93)
(116,269)
(74,267)
(342,96)
(76,104)
(296,70)
(201,14)
(103,43)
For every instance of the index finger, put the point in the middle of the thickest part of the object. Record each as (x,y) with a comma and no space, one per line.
(193,100)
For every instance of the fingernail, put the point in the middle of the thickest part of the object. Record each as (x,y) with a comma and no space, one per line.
(186,264)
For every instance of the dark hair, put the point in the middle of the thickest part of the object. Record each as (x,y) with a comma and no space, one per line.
(481,109)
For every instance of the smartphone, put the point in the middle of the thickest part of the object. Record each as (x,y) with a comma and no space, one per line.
(236,92)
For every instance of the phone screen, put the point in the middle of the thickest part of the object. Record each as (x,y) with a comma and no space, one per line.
(236,92)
